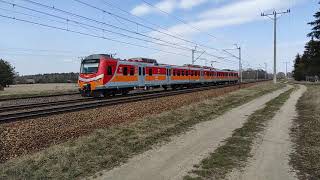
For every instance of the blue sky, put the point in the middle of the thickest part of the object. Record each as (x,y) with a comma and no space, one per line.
(217,24)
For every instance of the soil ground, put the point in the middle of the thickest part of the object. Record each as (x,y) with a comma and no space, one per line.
(271,157)
(175,159)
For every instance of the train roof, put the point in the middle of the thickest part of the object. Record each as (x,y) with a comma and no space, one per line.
(98,56)
(154,61)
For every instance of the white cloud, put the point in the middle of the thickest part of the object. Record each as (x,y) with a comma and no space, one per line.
(166,5)
(187,4)
(240,12)
(141,10)
(246,8)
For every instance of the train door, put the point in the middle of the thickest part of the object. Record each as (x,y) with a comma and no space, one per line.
(168,75)
(142,75)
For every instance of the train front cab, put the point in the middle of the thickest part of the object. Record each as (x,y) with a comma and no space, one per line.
(95,72)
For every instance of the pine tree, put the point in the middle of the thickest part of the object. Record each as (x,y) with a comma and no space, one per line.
(315,26)
(309,63)
(299,68)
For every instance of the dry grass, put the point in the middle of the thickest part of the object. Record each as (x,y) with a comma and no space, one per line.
(306,135)
(22,90)
(236,149)
(107,148)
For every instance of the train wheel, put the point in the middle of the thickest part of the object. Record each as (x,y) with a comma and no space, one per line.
(125,92)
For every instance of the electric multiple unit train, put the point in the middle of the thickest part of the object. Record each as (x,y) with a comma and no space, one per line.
(103,75)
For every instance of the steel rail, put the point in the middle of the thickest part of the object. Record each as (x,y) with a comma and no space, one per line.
(37,96)
(63,102)
(5,118)
(42,104)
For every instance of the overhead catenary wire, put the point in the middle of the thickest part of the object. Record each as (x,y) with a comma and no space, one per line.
(128,20)
(87,34)
(77,32)
(34,16)
(110,13)
(181,20)
(172,45)
(160,27)
(96,36)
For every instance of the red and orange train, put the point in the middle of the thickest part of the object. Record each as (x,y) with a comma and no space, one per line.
(103,75)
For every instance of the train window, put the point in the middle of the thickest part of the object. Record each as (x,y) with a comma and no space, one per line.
(144,71)
(109,70)
(191,73)
(174,72)
(187,73)
(125,71)
(178,73)
(139,71)
(169,72)
(150,71)
(132,71)
(182,73)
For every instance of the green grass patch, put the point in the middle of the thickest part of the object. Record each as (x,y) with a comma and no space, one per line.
(107,148)
(236,149)
(306,135)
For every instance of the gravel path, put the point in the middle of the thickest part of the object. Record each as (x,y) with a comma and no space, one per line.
(271,158)
(175,159)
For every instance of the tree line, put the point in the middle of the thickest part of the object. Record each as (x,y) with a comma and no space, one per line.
(48,78)
(307,65)
(7,74)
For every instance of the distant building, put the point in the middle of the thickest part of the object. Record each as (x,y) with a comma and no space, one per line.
(312,78)
(31,81)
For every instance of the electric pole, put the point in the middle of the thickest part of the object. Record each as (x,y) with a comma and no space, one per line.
(286,68)
(193,51)
(266,69)
(240,63)
(274,17)
(239,57)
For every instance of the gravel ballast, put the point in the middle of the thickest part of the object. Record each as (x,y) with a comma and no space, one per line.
(29,136)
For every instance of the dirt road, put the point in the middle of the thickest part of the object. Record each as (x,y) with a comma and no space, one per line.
(271,158)
(175,159)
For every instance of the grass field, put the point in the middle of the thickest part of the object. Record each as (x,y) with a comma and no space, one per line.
(107,148)
(22,90)
(306,135)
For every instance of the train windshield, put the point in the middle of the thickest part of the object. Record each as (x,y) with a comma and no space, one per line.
(89,66)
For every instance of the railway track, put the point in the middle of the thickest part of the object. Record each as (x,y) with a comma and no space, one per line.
(38,96)
(45,109)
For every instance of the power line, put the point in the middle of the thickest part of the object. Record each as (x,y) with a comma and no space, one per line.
(110,13)
(30,15)
(87,34)
(77,32)
(40,50)
(105,30)
(113,14)
(128,20)
(180,20)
